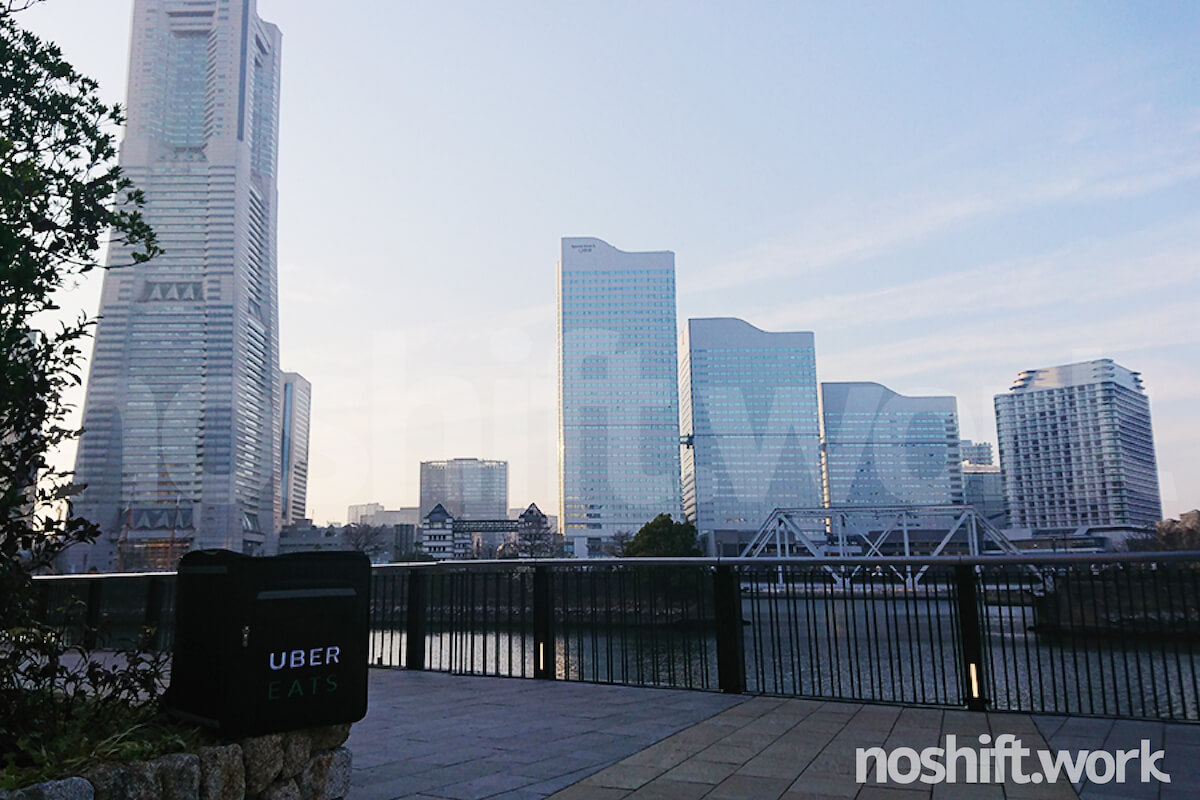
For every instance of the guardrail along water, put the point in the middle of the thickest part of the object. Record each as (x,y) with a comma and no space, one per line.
(1107,635)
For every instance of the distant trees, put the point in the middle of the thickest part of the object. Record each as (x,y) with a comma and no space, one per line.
(663,537)
(1171,534)
(619,544)
(373,540)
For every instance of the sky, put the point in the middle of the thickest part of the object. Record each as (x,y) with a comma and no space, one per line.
(945,194)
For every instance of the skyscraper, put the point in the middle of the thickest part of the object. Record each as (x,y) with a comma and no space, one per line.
(748,410)
(618,390)
(182,428)
(1077,450)
(467,488)
(293,452)
(886,449)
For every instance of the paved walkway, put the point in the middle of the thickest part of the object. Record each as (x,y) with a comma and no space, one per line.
(431,735)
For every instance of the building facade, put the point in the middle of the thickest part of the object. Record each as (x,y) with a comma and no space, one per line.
(983,488)
(181,418)
(467,488)
(618,391)
(751,427)
(357,513)
(1077,449)
(293,447)
(886,449)
(979,453)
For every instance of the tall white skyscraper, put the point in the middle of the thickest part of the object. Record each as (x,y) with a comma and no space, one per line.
(888,449)
(182,425)
(293,448)
(618,411)
(748,411)
(1077,450)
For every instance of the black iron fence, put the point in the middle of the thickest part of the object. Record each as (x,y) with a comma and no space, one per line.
(1110,635)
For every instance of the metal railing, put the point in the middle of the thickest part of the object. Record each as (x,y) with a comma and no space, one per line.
(1108,635)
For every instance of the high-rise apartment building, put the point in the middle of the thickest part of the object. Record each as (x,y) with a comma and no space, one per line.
(1077,450)
(749,416)
(181,420)
(886,449)
(467,488)
(293,452)
(618,390)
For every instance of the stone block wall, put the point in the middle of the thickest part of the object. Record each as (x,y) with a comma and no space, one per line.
(299,765)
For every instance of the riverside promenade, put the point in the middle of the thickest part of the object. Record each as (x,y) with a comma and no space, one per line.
(433,735)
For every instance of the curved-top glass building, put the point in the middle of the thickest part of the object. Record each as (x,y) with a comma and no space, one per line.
(618,409)
(748,411)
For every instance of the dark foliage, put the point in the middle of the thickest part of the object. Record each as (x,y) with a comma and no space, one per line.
(663,537)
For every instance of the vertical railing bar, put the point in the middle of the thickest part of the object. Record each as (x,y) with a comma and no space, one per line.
(852,650)
(874,641)
(595,659)
(921,591)
(1193,635)
(623,615)
(913,629)
(685,631)
(1119,574)
(892,626)
(791,624)
(1150,646)
(776,630)
(1169,631)
(835,648)
(1087,654)
(811,633)
(609,638)
(1029,642)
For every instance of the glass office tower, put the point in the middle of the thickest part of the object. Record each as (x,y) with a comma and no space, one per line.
(618,410)
(886,449)
(749,416)
(1077,449)
(467,488)
(181,420)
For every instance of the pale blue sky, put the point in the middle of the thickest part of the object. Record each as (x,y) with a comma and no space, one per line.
(946,194)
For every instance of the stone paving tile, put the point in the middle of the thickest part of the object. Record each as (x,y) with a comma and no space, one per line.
(895,793)
(695,770)
(826,785)
(740,787)
(624,776)
(582,791)
(728,754)
(663,789)
(606,742)
(763,766)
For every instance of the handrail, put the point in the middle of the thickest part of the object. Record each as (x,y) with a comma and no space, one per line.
(1141,557)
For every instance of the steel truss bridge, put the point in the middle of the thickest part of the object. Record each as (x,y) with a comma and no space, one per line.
(826,534)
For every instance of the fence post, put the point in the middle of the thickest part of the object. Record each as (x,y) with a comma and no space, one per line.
(152,619)
(727,602)
(91,615)
(543,625)
(414,625)
(970,637)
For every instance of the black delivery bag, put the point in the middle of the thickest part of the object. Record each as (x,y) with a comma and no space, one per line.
(264,645)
